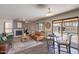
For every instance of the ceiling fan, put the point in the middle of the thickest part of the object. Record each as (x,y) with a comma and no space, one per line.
(50,13)
(41,5)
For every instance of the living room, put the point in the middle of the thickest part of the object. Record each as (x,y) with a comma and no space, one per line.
(30,28)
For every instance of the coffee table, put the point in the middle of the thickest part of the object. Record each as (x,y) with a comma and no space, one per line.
(25,38)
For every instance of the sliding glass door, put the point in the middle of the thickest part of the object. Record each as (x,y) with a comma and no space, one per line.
(64,27)
(70,27)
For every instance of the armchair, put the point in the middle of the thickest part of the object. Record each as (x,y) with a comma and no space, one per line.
(5,45)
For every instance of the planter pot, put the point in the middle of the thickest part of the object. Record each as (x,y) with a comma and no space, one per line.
(3,48)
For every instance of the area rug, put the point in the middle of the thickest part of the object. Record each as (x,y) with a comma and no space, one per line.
(19,46)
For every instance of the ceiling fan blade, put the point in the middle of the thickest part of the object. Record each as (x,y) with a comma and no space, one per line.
(41,5)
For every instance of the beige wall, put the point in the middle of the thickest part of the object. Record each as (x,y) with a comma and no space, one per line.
(69,14)
(31,27)
(48,30)
(15,24)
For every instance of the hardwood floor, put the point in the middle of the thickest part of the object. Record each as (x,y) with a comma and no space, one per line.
(41,49)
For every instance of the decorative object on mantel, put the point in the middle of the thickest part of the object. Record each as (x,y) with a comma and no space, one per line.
(26,31)
(48,25)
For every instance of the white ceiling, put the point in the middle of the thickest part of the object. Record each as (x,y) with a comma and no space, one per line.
(33,11)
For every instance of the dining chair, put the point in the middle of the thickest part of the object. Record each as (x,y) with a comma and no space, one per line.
(51,42)
(66,43)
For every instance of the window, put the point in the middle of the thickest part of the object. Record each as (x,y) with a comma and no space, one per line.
(8,27)
(40,27)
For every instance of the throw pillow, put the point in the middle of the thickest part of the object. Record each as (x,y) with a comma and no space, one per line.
(4,38)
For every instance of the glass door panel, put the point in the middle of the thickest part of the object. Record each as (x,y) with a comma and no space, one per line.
(71,27)
(65,27)
(57,29)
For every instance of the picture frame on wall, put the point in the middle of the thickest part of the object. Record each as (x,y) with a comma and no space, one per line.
(48,25)
(19,25)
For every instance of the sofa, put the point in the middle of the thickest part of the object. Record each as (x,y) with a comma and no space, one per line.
(38,36)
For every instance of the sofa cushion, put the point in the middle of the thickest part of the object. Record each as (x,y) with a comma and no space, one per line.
(37,33)
(4,38)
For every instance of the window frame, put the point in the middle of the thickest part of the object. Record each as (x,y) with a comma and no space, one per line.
(9,28)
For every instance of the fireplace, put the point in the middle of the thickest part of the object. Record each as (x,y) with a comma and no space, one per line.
(18,32)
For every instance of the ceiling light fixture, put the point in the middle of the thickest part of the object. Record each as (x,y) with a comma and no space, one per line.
(49,12)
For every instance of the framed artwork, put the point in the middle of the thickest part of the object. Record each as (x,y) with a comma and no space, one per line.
(19,25)
(48,25)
